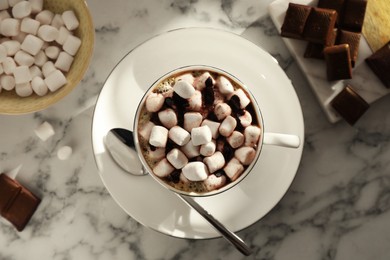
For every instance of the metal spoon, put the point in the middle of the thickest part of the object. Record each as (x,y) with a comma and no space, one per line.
(120,144)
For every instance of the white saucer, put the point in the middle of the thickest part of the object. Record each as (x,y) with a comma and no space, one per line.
(147,201)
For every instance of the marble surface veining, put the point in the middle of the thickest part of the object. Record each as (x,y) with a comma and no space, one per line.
(338,206)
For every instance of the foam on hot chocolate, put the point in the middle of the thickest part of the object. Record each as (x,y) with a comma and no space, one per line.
(199,154)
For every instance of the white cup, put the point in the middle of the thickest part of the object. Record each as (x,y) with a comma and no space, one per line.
(267,138)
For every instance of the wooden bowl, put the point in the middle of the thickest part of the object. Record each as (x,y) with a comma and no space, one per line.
(12,104)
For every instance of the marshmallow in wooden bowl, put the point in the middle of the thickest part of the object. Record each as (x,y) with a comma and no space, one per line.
(207,126)
(34,32)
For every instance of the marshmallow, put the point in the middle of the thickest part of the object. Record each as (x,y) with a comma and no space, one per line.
(188,77)
(157,153)
(191,120)
(145,130)
(22,75)
(44,131)
(224,85)
(208,149)
(10,27)
(214,127)
(195,171)
(1,69)
(244,100)
(214,182)
(70,20)
(29,25)
(4,4)
(252,135)
(12,47)
(200,81)
(245,119)
(35,71)
(184,89)
(52,52)
(57,21)
(23,89)
(158,136)
(32,44)
(48,33)
(177,158)
(195,101)
(3,53)
(154,102)
(245,154)
(179,135)
(20,37)
(72,44)
(215,162)
(64,61)
(63,34)
(39,86)
(22,58)
(190,150)
(168,118)
(55,80)
(233,169)
(227,126)
(12,3)
(201,135)
(36,6)
(44,17)
(4,14)
(222,110)
(64,153)
(163,168)
(7,82)
(9,65)
(40,58)
(48,68)
(21,9)
(236,139)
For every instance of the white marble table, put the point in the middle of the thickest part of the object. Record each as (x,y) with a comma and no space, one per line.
(337,207)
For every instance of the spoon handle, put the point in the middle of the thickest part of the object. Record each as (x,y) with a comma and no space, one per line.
(225,232)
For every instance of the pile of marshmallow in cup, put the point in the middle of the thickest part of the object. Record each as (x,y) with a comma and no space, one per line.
(198,136)
(37,47)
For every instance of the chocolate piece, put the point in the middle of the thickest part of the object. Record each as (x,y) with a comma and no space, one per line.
(8,191)
(316,50)
(353,40)
(320,26)
(379,62)
(350,105)
(337,5)
(17,203)
(353,17)
(295,20)
(338,62)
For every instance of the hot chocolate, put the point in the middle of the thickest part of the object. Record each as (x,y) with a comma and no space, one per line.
(198,130)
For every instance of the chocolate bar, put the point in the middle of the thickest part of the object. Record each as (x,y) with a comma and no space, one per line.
(320,26)
(337,5)
(353,40)
(379,62)
(295,20)
(17,204)
(353,16)
(350,105)
(338,62)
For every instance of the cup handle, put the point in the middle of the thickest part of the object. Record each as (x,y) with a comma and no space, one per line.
(284,140)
